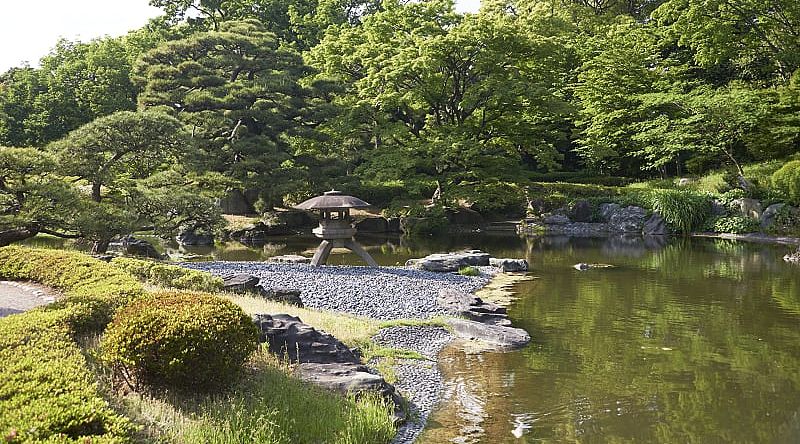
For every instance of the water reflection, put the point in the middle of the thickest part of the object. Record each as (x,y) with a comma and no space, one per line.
(690,341)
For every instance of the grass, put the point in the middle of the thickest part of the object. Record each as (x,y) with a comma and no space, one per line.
(269,405)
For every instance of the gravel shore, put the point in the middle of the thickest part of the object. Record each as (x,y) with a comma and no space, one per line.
(375,292)
(383,293)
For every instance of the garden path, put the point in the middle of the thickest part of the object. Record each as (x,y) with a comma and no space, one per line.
(17,297)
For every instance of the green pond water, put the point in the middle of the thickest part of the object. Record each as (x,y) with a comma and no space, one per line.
(682,341)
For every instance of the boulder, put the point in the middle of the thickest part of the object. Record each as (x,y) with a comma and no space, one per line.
(289,296)
(351,379)
(767,218)
(608,209)
(139,247)
(655,226)
(240,283)
(190,238)
(290,338)
(748,207)
(259,232)
(459,303)
(373,225)
(496,335)
(718,208)
(581,211)
(627,220)
(393,225)
(509,265)
(556,219)
(464,216)
(235,203)
(290,259)
(684,181)
(450,262)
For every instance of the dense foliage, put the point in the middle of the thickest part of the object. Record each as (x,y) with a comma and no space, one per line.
(392,100)
(192,341)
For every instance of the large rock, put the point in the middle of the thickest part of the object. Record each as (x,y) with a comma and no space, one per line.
(627,220)
(655,226)
(768,216)
(450,262)
(509,265)
(393,225)
(235,203)
(496,335)
(464,216)
(190,238)
(459,303)
(259,232)
(352,379)
(290,338)
(555,219)
(289,296)
(139,247)
(240,283)
(581,211)
(748,207)
(793,257)
(607,210)
(373,225)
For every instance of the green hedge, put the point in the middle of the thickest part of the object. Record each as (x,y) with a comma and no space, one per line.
(47,392)
(787,181)
(170,276)
(92,289)
(180,340)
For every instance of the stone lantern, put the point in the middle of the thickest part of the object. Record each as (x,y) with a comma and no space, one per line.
(335,225)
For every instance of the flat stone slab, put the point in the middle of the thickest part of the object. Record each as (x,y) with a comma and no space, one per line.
(290,259)
(494,335)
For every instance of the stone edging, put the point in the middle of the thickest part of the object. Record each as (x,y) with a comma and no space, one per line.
(33,290)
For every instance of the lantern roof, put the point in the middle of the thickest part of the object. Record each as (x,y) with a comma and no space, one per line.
(332,200)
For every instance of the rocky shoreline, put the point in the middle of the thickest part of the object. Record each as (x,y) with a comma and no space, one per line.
(390,293)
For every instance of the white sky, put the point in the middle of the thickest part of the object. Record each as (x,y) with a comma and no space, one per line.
(30,28)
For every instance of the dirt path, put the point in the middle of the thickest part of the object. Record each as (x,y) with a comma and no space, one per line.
(16,297)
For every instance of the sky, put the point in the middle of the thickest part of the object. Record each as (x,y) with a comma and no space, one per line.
(30,28)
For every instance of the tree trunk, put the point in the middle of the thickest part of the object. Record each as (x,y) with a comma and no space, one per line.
(7,237)
(96,192)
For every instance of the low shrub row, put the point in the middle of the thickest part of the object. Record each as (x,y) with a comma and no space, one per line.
(47,393)
(92,289)
(169,276)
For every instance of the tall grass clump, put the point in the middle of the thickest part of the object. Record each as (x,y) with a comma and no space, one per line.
(683,210)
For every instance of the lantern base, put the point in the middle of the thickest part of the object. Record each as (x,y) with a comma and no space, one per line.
(325,247)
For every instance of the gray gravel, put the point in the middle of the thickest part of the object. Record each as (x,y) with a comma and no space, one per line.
(375,292)
(419,381)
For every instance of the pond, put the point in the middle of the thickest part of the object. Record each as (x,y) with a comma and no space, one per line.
(686,340)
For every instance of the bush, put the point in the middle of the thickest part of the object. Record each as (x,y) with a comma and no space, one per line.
(683,210)
(171,276)
(735,225)
(787,181)
(181,340)
(92,288)
(46,390)
(469,271)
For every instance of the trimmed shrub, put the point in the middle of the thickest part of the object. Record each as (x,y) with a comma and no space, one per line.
(787,181)
(172,276)
(181,340)
(46,390)
(683,210)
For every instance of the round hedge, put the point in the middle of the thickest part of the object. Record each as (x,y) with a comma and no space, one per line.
(787,180)
(180,340)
